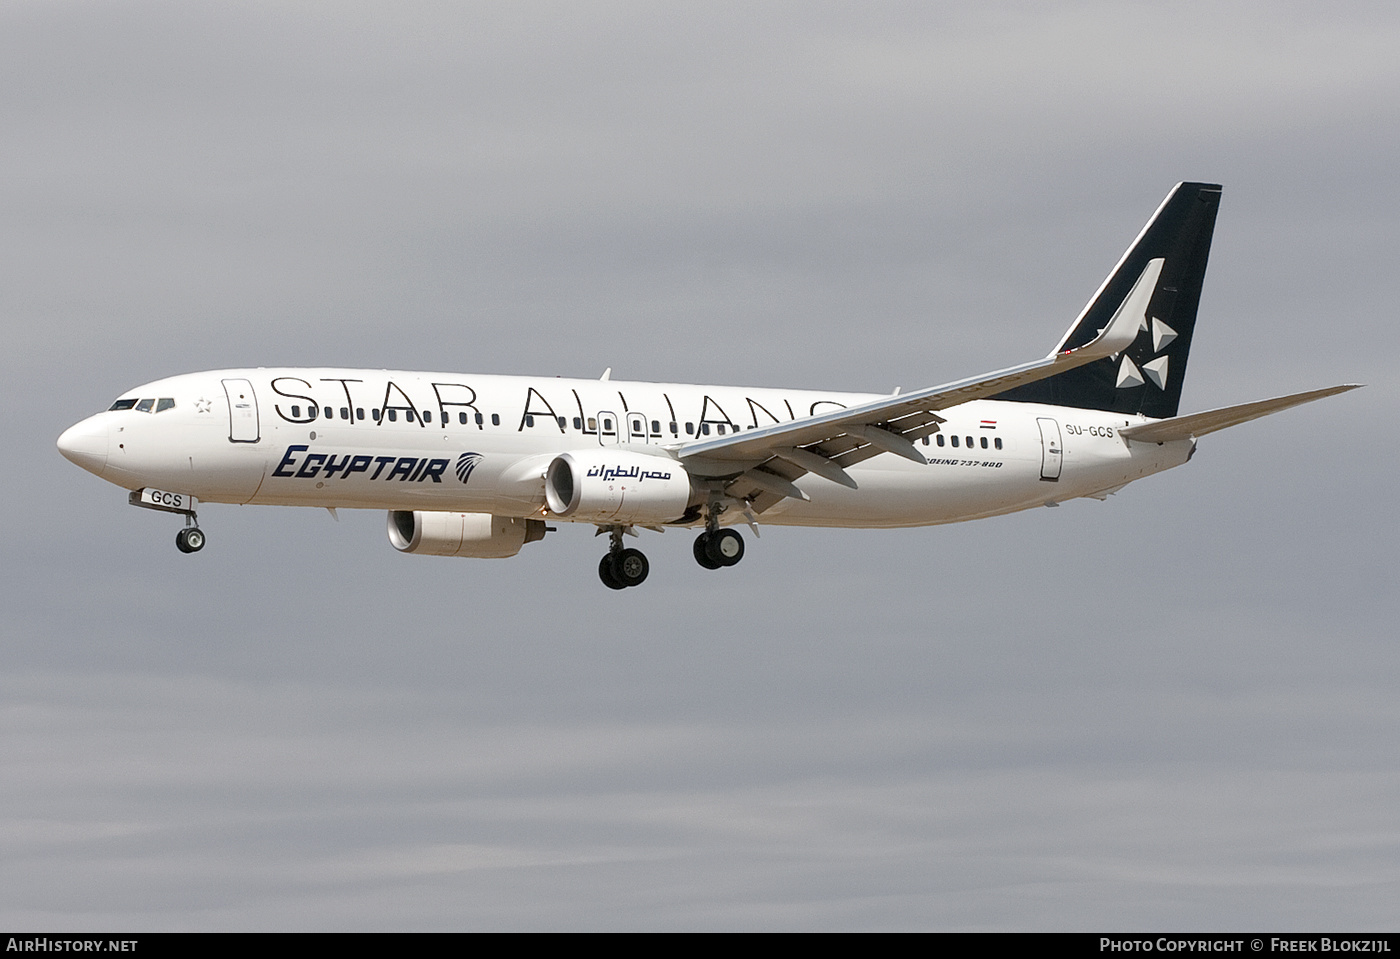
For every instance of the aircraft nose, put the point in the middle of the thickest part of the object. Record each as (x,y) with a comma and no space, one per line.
(86,444)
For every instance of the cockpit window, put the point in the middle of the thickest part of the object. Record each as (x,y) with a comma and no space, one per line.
(145,405)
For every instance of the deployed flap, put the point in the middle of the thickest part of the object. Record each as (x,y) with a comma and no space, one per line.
(911,414)
(842,438)
(1199,424)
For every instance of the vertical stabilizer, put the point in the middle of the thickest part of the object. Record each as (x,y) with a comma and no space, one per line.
(1145,378)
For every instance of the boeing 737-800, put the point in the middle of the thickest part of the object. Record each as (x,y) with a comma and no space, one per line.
(478,465)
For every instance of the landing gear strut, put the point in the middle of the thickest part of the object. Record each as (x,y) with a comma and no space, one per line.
(191,538)
(621,568)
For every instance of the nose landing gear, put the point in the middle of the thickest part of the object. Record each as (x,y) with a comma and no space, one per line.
(190,539)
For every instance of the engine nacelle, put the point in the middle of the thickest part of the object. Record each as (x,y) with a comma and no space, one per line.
(616,486)
(461,534)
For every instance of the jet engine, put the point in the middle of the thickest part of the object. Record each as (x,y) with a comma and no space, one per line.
(461,534)
(616,486)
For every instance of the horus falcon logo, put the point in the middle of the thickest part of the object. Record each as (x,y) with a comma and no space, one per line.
(465,464)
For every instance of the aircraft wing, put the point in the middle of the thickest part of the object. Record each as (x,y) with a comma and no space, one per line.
(1199,424)
(761,464)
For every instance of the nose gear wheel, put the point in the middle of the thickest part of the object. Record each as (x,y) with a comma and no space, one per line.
(190,539)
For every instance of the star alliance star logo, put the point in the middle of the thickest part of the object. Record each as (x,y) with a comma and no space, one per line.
(1155,370)
(202,405)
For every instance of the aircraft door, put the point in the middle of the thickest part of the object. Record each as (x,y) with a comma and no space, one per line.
(1051,450)
(608,428)
(242,412)
(636,428)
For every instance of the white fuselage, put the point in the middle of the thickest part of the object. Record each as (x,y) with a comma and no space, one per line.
(377,439)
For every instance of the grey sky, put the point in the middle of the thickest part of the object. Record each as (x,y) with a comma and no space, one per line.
(1172,710)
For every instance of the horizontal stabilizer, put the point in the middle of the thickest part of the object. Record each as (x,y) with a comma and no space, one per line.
(1199,424)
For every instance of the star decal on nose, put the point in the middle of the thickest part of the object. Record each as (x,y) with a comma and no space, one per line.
(202,405)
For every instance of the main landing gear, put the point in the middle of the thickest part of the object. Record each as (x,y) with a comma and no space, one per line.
(721,547)
(621,568)
(716,547)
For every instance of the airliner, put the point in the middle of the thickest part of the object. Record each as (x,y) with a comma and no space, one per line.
(479,465)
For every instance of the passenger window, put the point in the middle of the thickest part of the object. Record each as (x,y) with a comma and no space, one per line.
(145,406)
(705,429)
(984,442)
(359,412)
(969,442)
(479,420)
(462,418)
(656,427)
(374,414)
(345,412)
(393,416)
(311,412)
(939,439)
(562,422)
(329,413)
(998,442)
(427,416)
(578,423)
(720,427)
(164,403)
(409,416)
(675,431)
(925,440)
(955,442)
(690,429)
(122,405)
(495,419)
(607,424)
(593,424)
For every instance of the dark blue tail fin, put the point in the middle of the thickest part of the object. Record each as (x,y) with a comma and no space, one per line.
(1145,378)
